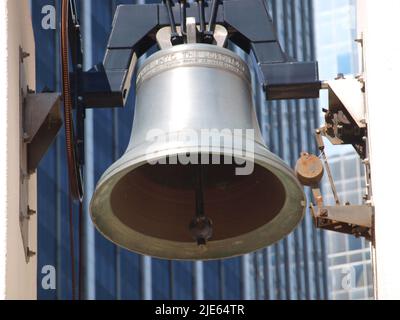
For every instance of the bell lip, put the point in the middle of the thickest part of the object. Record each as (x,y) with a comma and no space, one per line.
(287,221)
(193,46)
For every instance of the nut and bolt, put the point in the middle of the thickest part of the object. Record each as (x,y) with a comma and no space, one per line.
(30,253)
(324,213)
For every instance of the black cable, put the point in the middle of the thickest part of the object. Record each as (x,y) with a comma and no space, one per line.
(213,17)
(202,16)
(175,38)
(183,17)
(209,35)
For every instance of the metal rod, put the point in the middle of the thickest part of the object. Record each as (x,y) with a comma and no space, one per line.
(89,235)
(200,227)
(199,192)
(213,17)
(321,147)
(183,17)
(202,16)
(332,183)
(170,16)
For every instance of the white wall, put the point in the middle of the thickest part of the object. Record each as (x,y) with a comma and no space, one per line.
(17,278)
(379,22)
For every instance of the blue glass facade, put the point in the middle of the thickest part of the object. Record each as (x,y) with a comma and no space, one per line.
(295,268)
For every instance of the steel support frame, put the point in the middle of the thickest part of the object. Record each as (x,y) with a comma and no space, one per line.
(108,83)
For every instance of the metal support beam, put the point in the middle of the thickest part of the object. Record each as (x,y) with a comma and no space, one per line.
(108,84)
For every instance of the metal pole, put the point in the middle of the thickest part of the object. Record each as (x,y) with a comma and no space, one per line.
(247,277)
(198,281)
(89,269)
(146,278)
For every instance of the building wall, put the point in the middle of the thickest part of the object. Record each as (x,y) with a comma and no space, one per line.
(18,278)
(349,259)
(292,269)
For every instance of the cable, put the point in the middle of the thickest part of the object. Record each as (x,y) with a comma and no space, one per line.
(75,178)
(213,17)
(202,16)
(183,17)
(75,189)
(209,34)
(175,38)
(80,270)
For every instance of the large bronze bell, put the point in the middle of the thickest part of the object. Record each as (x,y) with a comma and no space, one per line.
(154,202)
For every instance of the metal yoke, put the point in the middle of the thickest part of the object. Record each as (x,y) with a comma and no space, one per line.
(249,25)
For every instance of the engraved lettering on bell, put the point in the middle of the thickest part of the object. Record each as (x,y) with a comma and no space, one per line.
(188,58)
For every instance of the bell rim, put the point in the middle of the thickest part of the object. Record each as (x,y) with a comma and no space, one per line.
(153,247)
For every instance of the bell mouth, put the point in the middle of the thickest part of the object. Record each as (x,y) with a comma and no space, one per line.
(160,200)
(148,209)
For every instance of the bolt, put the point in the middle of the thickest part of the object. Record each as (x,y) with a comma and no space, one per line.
(23,176)
(324,213)
(360,78)
(79,66)
(30,91)
(26,137)
(30,253)
(23,55)
(340,76)
(31,212)
(80,98)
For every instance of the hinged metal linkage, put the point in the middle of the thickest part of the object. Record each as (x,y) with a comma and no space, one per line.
(349,219)
(134,33)
(344,124)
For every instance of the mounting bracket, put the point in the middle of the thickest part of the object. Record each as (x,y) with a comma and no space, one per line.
(107,84)
(40,122)
(349,219)
(345,117)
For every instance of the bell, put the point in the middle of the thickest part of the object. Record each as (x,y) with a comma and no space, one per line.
(197,181)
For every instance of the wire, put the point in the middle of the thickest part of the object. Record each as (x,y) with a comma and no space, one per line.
(80,270)
(183,17)
(171,16)
(73,170)
(71,247)
(202,16)
(75,189)
(213,17)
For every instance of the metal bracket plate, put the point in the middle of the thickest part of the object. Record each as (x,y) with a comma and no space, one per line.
(351,219)
(40,121)
(345,119)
